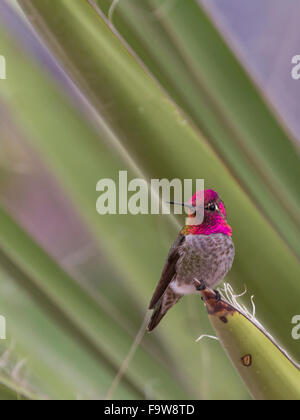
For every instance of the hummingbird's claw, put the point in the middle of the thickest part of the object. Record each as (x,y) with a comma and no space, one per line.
(199,285)
(218,295)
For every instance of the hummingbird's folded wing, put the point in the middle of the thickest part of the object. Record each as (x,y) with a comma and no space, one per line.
(169,271)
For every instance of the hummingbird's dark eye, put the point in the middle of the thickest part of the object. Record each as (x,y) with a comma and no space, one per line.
(212,207)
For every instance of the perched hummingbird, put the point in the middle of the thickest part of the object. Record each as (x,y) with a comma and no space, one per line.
(200,257)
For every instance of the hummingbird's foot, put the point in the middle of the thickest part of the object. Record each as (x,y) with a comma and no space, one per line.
(218,295)
(199,285)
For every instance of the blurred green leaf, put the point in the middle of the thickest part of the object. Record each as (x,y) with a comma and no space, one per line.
(10,391)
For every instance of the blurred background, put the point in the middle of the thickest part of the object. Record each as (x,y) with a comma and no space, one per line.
(162,89)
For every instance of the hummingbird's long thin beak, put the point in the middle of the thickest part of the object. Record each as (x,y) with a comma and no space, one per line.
(181,204)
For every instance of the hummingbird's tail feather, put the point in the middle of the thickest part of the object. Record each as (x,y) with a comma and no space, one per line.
(157,316)
(165,303)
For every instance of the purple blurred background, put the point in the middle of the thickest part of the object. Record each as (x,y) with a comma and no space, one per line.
(265,35)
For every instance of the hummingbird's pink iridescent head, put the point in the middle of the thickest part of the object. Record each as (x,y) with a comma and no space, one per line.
(214,220)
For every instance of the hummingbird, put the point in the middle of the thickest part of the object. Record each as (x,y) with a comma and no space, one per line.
(200,257)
